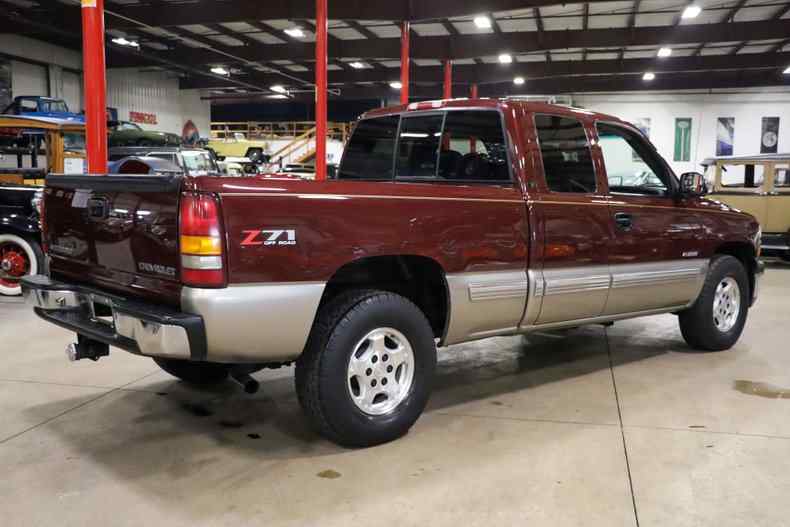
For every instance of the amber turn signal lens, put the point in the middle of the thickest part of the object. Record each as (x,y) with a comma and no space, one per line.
(201,245)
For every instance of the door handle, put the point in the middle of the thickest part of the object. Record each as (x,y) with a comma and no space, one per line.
(623,220)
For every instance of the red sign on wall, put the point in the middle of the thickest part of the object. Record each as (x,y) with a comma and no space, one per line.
(142,117)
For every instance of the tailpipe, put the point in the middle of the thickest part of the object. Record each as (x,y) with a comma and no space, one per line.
(246,381)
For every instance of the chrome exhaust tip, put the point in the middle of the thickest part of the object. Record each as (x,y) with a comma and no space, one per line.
(72,353)
(246,381)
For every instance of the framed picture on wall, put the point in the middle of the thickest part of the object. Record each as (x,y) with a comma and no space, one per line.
(682,139)
(725,136)
(769,139)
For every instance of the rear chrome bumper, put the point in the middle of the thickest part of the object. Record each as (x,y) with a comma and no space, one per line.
(141,328)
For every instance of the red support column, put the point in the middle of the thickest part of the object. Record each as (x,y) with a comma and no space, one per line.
(404,62)
(473,91)
(320,88)
(447,92)
(473,140)
(95,85)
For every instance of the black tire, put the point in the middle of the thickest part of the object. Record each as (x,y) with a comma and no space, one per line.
(322,381)
(697,323)
(192,372)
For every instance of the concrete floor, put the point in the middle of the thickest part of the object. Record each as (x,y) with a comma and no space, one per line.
(624,426)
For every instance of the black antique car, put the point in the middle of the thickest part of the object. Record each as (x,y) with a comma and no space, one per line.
(20,236)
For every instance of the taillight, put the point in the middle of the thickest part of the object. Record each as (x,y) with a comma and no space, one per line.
(202,248)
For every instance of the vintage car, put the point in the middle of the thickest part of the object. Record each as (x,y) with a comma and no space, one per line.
(192,161)
(510,226)
(125,133)
(32,147)
(759,185)
(37,106)
(20,236)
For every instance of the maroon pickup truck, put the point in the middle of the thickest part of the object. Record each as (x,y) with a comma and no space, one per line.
(448,221)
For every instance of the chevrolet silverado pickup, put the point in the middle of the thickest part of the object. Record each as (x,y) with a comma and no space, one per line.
(447,221)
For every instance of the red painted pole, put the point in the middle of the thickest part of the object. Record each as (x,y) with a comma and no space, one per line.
(404,62)
(447,92)
(320,88)
(473,91)
(95,85)
(472,140)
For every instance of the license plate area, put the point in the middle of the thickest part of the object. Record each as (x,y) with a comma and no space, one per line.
(100,310)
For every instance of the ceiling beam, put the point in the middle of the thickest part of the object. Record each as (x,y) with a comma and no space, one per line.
(483,74)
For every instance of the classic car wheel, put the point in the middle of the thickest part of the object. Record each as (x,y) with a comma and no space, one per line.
(716,319)
(18,257)
(191,372)
(367,369)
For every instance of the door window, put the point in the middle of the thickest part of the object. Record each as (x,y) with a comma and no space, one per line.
(418,147)
(748,176)
(565,150)
(632,167)
(369,153)
(473,147)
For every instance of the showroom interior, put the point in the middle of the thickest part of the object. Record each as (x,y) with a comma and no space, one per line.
(241,204)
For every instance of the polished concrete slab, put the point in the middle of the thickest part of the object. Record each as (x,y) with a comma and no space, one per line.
(593,426)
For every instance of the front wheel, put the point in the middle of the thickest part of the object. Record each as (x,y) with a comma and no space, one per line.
(367,369)
(18,257)
(716,320)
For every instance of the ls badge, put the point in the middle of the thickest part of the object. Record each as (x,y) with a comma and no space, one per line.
(269,237)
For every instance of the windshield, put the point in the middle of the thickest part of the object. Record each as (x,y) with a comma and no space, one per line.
(198,163)
(54,106)
(74,142)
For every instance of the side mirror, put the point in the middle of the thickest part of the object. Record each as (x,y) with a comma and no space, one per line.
(693,184)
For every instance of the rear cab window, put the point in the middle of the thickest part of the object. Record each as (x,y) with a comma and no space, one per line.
(464,146)
(565,151)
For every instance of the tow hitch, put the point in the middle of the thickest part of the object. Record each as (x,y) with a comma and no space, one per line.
(86,348)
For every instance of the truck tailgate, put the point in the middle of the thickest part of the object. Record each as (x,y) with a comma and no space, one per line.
(115,232)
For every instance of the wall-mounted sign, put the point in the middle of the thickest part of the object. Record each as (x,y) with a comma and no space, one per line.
(770,136)
(682,139)
(142,117)
(725,136)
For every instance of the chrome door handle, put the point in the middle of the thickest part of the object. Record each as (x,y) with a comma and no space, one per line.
(623,220)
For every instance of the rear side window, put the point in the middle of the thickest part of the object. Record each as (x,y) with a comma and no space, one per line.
(567,163)
(473,147)
(418,147)
(369,153)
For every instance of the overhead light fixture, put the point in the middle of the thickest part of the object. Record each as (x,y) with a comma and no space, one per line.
(219,70)
(278,89)
(121,41)
(664,52)
(691,11)
(483,22)
(356,65)
(518,81)
(505,58)
(295,32)
(787,71)
(648,76)
(396,85)
(278,96)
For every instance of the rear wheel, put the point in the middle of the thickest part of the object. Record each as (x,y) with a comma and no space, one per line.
(717,318)
(192,372)
(367,370)
(18,257)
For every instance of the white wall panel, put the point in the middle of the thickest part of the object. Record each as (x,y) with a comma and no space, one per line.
(748,107)
(72,90)
(28,79)
(36,50)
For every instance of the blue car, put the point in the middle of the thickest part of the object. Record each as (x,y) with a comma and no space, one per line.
(36,106)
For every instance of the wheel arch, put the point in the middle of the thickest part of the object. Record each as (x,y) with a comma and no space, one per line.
(745,253)
(421,279)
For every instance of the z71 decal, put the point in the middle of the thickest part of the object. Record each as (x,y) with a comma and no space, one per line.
(269,237)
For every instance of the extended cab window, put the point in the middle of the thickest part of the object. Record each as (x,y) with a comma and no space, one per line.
(473,147)
(418,146)
(632,167)
(567,163)
(369,152)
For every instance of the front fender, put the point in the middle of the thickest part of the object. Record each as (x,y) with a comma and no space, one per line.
(21,225)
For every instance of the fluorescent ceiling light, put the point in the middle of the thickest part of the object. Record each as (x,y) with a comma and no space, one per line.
(277,88)
(483,22)
(356,65)
(278,96)
(787,71)
(295,32)
(664,52)
(691,11)
(396,85)
(505,58)
(649,76)
(518,81)
(121,41)
(219,70)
